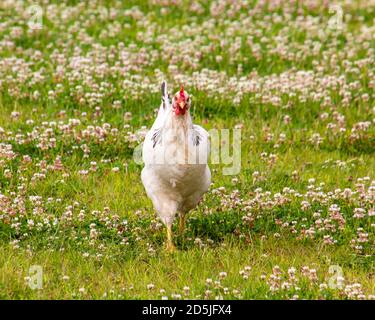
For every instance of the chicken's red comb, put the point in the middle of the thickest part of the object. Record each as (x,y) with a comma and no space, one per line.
(182,93)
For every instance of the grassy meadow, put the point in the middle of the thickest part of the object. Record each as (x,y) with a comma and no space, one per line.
(80,85)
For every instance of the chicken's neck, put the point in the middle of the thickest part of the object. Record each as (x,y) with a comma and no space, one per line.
(179,123)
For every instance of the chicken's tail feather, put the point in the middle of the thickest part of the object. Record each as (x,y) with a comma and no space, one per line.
(164,94)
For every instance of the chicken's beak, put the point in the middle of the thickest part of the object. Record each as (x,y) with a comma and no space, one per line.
(182,104)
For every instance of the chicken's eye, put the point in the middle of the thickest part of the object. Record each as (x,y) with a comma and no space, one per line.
(188,99)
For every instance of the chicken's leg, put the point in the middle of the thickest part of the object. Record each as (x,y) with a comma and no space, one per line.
(182,224)
(169,245)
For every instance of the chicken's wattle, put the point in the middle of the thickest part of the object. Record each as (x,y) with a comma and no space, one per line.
(180,105)
(179,111)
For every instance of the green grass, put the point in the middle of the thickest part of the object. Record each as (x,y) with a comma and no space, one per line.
(99,229)
(127,274)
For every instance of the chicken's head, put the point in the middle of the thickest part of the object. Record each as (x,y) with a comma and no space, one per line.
(181,102)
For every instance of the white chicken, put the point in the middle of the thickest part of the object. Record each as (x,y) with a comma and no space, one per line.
(175,154)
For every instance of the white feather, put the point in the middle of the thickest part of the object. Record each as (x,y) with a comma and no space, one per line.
(173,179)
